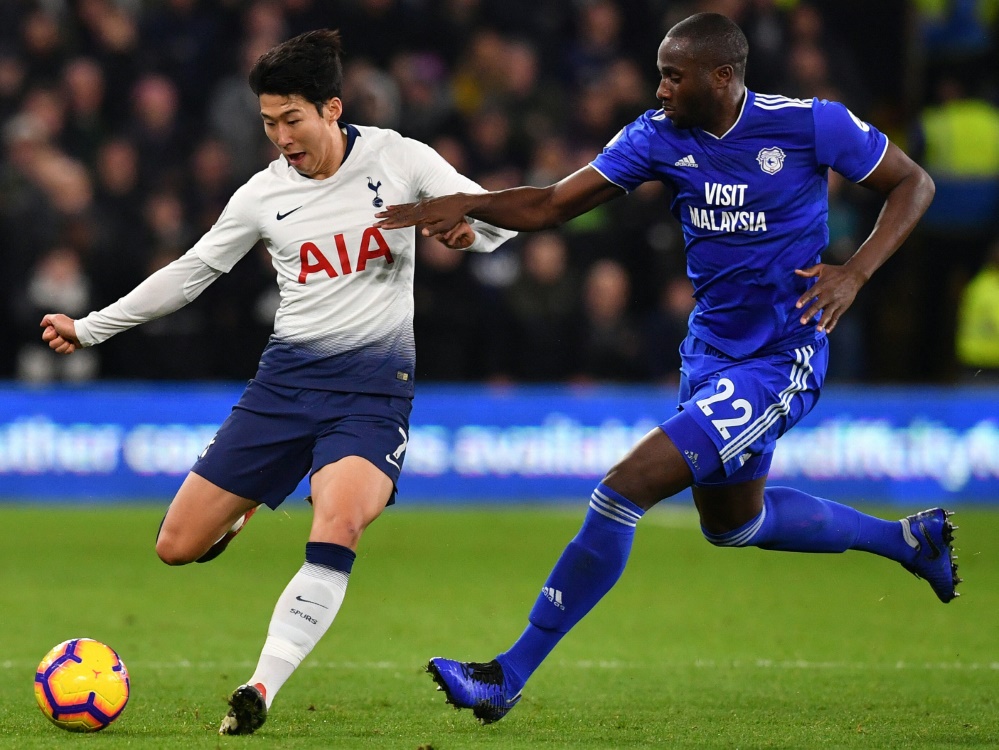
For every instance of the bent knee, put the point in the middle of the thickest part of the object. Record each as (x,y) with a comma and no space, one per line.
(170,551)
(744,535)
(721,540)
(345,530)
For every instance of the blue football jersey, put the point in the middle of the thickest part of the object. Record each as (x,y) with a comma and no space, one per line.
(753,205)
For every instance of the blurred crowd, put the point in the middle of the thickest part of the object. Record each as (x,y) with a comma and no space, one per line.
(127,124)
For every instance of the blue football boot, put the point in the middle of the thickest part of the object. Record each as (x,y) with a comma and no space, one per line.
(930,534)
(473,685)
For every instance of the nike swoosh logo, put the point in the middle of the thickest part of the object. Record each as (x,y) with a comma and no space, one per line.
(306,601)
(282,216)
(934,550)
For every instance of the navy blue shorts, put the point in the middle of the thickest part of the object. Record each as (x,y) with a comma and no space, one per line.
(276,435)
(738,408)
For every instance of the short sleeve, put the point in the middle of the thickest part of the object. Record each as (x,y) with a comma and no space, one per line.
(625,160)
(846,143)
(233,235)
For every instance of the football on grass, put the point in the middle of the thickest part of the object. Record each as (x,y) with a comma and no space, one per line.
(82,685)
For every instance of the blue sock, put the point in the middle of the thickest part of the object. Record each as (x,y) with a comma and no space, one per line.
(587,569)
(793,521)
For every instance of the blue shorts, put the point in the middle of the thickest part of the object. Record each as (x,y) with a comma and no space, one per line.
(276,435)
(734,410)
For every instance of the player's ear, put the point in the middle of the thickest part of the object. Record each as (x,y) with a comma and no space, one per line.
(333,109)
(723,75)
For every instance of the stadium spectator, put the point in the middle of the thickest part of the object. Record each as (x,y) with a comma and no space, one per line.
(957,141)
(480,74)
(534,101)
(184,37)
(597,43)
(43,46)
(373,95)
(814,54)
(978,323)
(12,77)
(666,329)
(446,314)
(233,111)
(118,218)
(426,108)
(210,184)
(537,342)
(86,127)
(159,131)
(58,281)
(608,340)
(110,35)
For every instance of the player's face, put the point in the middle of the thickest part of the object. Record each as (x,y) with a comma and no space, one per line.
(305,137)
(685,89)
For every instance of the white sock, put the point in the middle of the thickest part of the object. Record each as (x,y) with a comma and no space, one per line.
(302,615)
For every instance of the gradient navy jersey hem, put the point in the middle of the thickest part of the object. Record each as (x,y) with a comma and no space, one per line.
(373,369)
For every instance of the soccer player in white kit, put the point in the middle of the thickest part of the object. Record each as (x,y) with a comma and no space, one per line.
(334,388)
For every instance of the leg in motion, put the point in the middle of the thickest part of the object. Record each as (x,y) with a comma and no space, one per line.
(201,515)
(223,541)
(589,567)
(347,496)
(785,519)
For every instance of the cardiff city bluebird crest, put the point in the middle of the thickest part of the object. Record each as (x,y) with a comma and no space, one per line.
(377,202)
(771,160)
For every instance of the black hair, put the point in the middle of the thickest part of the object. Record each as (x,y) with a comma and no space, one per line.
(308,65)
(714,40)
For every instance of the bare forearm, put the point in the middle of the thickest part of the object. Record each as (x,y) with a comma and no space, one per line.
(903,208)
(524,209)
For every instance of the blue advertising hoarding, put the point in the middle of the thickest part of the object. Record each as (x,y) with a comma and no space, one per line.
(891,445)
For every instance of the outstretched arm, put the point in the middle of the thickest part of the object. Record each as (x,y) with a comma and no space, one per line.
(523,209)
(908,190)
(169,289)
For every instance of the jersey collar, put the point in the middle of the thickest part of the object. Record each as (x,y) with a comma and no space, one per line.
(746,102)
(352,135)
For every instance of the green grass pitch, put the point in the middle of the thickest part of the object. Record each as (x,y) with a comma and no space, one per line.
(696,647)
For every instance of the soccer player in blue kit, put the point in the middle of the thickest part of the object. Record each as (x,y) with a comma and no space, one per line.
(749,177)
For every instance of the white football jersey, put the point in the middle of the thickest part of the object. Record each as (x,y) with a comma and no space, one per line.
(345,320)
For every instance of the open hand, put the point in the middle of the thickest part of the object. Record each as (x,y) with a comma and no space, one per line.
(436,216)
(832,294)
(60,333)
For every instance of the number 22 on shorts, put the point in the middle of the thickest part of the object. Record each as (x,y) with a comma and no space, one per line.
(726,390)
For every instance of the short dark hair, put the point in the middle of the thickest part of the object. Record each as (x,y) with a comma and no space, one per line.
(308,65)
(715,40)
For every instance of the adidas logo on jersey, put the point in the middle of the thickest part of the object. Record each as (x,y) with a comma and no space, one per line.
(687,161)
(554,596)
